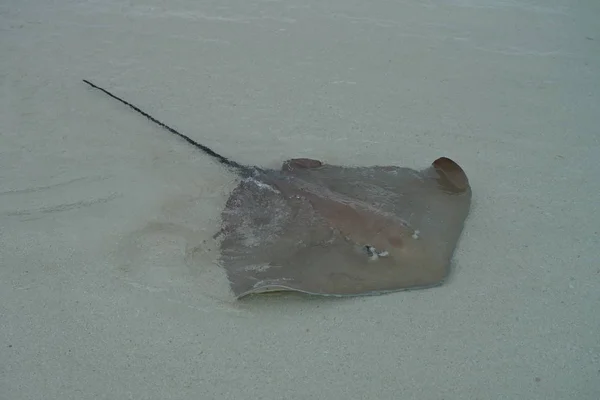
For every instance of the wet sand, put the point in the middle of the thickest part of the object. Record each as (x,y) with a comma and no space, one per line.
(109,286)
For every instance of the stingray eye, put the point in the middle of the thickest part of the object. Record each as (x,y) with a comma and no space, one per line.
(452,175)
(395,241)
(302,163)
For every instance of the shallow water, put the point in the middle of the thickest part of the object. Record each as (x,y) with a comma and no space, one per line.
(109,286)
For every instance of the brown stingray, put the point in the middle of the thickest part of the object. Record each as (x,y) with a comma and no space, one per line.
(339,230)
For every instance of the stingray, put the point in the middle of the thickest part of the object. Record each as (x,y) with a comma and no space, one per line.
(335,230)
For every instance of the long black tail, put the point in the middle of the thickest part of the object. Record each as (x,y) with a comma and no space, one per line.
(223,160)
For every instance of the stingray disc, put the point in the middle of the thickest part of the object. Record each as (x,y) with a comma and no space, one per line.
(343,231)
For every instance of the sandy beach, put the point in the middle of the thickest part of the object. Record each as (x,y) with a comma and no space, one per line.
(109,281)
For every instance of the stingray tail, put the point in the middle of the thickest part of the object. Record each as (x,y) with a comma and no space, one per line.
(222,159)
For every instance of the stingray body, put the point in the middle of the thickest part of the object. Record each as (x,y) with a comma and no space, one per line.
(339,230)
(343,231)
